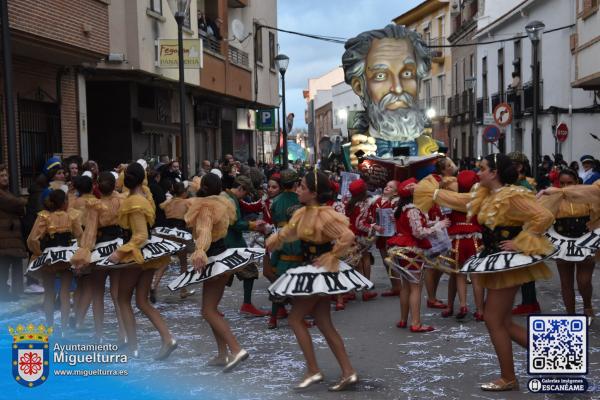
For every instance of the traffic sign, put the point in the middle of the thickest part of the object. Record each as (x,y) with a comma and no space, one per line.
(488,119)
(503,114)
(266,120)
(491,133)
(562,132)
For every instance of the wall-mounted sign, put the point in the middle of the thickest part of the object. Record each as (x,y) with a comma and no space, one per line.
(265,120)
(168,53)
(246,119)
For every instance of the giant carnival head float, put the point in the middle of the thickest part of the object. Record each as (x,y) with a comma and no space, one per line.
(385,67)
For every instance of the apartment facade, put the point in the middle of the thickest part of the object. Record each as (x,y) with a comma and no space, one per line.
(48,79)
(504,74)
(236,78)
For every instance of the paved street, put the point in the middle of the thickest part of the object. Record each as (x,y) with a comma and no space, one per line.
(392,363)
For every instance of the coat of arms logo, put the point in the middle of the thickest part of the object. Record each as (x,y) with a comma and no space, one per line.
(30,354)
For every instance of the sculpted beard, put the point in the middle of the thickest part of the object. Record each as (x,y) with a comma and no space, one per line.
(402,124)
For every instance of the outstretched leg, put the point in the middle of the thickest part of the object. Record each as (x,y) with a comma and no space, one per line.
(300,307)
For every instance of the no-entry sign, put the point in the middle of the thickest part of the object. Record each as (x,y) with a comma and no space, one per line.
(562,132)
(491,133)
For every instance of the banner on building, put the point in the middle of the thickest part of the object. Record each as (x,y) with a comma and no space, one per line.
(246,119)
(168,53)
(265,120)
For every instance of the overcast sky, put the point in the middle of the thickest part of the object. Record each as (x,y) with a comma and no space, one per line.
(310,58)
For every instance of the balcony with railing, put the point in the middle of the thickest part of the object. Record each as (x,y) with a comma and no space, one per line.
(438,103)
(437,50)
(464,18)
(238,57)
(210,43)
(528,97)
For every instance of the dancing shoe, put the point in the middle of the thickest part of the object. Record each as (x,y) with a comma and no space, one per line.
(340,306)
(282,313)
(590,313)
(478,316)
(272,324)
(366,296)
(526,309)
(183,293)
(250,310)
(166,350)
(421,328)
(462,312)
(401,324)
(218,361)
(390,293)
(344,383)
(235,360)
(500,387)
(436,304)
(448,312)
(152,296)
(309,381)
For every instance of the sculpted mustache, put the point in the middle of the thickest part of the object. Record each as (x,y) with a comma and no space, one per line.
(392,98)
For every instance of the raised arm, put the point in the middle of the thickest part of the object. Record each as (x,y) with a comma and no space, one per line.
(536,220)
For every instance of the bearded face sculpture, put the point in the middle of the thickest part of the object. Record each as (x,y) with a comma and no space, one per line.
(385,68)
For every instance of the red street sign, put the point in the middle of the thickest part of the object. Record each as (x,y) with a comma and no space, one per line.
(491,133)
(503,114)
(562,132)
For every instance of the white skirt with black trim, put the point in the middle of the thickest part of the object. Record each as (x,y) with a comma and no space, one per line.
(568,248)
(154,248)
(309,280)
(502,261)
(228,261)
(590,240)
(53,255)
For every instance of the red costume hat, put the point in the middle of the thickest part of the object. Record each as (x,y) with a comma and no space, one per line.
(275,177)
(466,179)
(402,192)
(357,187)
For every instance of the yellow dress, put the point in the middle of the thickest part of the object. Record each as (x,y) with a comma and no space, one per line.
(318,225)
(208,217)
(175,207)
(585,194)
(50,223)
(136,214)
(99,213)
(511,206)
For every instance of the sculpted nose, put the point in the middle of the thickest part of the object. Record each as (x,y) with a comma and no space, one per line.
(396,86)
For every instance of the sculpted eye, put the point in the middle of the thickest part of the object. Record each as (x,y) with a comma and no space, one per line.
(407,74)
(380,76)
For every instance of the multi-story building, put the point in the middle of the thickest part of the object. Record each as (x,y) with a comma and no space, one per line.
(585,46)
(344,103)
(462,132)
(432,20)
(48,78)
(319,111)
(504,57)
(237,76)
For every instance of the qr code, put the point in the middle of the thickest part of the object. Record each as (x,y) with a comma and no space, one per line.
(557,344)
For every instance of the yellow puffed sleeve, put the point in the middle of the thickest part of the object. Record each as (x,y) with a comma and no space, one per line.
(582,193)
(335,227)
(428,192)
(136,214)
(83,255)
(536,221)
(38,231)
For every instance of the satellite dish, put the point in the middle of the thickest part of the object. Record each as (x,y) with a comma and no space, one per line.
(237,27)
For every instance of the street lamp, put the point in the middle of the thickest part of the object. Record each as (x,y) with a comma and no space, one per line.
(534,31)
(470,85)
(282,62)
(180,8)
